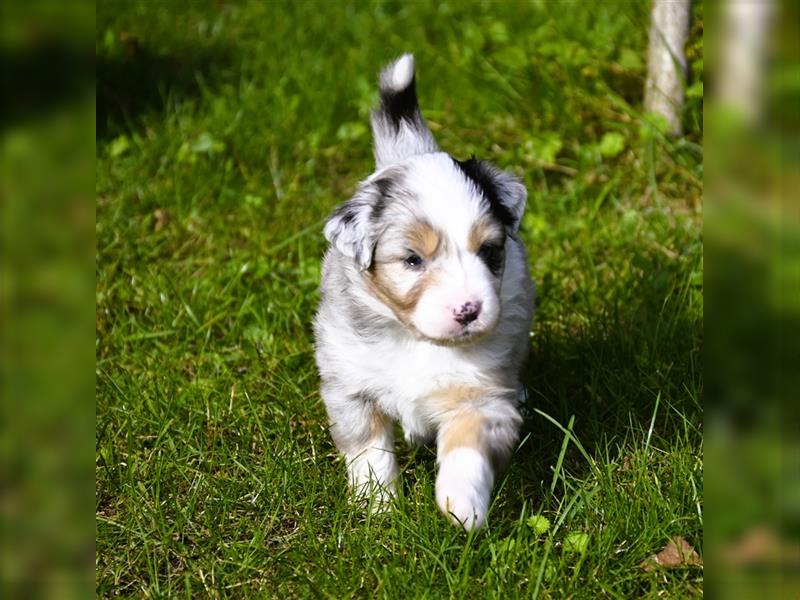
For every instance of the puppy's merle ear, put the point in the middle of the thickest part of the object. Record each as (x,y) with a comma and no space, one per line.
(354,227)
(398,128)
(503,192)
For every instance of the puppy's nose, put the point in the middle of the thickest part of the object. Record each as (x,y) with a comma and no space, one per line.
(468,312)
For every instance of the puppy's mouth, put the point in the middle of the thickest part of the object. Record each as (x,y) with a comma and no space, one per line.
(466,336)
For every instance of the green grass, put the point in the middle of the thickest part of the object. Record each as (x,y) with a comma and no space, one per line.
(226,133)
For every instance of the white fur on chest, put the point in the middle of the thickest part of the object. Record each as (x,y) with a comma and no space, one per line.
(401,373)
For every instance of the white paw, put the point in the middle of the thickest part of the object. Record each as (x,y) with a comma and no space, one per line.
(464,487)
(372,475)
(375,496)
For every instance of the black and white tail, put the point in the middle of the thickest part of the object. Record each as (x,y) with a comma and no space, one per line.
(397,124)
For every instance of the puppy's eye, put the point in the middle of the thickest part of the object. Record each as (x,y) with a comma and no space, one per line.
(413,261)
(492,256)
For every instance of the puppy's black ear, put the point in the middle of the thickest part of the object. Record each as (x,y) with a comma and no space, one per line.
(354,227)
(503,192)
(398,128)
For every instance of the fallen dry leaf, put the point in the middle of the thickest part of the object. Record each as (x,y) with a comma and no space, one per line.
(160,218)
(677,553)
(130,42)
(761,545)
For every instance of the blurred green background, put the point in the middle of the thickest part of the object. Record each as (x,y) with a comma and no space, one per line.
(46,298)
(752,280)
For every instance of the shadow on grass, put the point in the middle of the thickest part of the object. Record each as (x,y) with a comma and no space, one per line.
(134,80)
(42,76)
(608,374)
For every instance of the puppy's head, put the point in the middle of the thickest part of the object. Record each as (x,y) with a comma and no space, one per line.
(427,231)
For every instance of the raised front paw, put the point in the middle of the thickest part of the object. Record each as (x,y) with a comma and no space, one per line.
(464,487)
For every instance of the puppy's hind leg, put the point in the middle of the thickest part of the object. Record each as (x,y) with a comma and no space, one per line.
(365,437)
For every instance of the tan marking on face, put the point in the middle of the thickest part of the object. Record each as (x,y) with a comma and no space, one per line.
(464,431)
(402,305)
(484,230)
(425,239)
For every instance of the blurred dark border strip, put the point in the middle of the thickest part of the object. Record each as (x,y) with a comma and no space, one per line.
(47,132)
(752,306)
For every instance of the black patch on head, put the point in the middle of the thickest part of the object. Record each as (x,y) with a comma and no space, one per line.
(377,208)
(401,105)
(387,186)
(481,175)
(346,212)
(493,256)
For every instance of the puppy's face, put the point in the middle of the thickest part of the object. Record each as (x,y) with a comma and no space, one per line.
(429,235)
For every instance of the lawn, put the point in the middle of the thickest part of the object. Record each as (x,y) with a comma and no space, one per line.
(226,133)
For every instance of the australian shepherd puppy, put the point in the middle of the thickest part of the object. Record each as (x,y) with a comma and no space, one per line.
(426,305)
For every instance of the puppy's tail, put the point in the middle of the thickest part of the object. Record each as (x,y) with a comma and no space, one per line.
(397,124)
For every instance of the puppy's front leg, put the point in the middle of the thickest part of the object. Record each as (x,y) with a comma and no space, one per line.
(472,445)
(365,438)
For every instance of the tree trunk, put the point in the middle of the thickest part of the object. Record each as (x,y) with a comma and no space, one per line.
(666,62)
(745,38)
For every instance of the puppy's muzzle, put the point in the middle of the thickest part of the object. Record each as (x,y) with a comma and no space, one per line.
(467,312)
